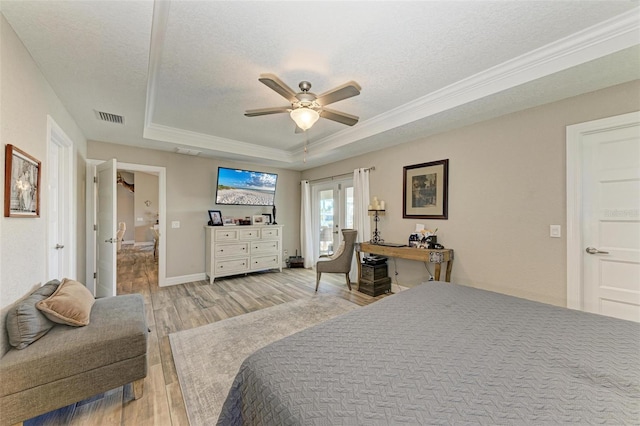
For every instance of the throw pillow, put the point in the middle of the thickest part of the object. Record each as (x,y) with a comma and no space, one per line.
(25,323)
(70,304)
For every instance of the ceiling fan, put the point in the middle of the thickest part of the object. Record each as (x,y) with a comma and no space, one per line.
(306,107)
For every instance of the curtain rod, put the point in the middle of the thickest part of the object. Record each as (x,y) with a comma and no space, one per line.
(371,169)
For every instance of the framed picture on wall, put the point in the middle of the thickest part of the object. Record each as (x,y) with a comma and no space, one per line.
(425,190)
(215,218)
(21,184)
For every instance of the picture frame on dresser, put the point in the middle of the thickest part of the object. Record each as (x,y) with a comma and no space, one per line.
(425,190)
(258,219)
(267,218)
(215,218)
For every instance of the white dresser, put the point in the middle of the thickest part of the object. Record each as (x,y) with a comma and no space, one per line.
(231,250)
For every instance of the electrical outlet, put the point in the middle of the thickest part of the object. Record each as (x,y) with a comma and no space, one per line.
(555,231)
(175,224)
(285,253)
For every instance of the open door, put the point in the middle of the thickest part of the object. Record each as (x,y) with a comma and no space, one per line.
(106,233)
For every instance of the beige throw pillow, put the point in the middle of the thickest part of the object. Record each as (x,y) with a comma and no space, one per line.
(70,304)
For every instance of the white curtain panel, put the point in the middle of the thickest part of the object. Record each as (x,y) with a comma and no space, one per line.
(306,232)
(361,220)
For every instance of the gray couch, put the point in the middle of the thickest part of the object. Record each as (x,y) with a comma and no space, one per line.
(69,364)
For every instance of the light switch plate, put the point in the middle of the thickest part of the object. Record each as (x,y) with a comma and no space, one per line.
(555,231)
(175,224)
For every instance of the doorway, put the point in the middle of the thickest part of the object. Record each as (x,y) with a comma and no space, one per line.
(332,207)
(603,216)
(159,228)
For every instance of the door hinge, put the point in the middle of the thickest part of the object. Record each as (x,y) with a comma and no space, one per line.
(95,227)
(95,275)
(95,179)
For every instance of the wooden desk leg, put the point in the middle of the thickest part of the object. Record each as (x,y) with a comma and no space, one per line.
(358,261)
(437,274)
(449,267)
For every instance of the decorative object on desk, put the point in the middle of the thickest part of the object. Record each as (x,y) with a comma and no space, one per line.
(273,211)
(428,238)
(228,221)
(376,213)
(425,190)
(215,218)
(258,219)
(245,221)
(21,184)
(267,218)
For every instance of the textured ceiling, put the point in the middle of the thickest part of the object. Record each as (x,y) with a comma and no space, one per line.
(183,72)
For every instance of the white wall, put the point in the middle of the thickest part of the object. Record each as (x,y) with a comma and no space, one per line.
(506,186)
(25,101)
(145,216)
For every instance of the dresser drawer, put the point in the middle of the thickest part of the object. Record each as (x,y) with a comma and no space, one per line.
(264,247)
(231,249)
(269,232)
(265,262)
(249,234)
(226,235)
(236,265)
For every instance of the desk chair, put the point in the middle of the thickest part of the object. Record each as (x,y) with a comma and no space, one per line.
(340,261)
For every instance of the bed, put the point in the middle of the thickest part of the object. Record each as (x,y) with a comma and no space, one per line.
(445,354)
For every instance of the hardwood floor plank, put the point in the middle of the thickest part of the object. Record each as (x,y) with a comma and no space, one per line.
(180,307)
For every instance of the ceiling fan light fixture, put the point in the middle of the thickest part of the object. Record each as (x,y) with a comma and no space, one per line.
(305,117)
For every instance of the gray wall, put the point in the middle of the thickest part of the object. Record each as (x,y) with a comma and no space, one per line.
(506,186)
(26,100)
(191,190)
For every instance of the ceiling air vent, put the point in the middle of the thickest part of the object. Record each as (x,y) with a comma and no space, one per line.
(108,117)
(187,151)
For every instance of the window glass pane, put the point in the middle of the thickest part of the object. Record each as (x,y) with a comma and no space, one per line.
(348,211)
(326,222)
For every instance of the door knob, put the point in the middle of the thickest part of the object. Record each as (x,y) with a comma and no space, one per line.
(593,250)
(59,246)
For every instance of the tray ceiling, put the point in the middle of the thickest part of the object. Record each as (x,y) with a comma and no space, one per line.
(182,73)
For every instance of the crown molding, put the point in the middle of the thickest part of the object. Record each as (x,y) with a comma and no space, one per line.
(214,143)
(602,39)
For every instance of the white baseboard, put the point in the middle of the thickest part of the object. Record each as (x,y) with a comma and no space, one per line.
(183,279)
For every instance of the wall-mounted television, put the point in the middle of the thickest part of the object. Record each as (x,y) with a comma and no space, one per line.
(245,187)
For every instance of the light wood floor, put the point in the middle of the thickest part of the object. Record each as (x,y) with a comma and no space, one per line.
(181,307)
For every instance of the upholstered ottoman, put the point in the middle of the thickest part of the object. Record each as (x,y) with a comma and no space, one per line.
(69,364)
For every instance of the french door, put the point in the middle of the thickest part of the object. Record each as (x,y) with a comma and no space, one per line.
(332,206)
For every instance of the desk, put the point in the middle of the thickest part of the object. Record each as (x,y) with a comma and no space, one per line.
(411,253)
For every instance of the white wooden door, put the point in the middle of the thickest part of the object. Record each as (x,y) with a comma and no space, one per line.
(106,233)
(611,221)
(60,230)
(333,210)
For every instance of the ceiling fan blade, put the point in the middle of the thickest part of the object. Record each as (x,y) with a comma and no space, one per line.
(340,117)
(345,91)
(274,83)
(265,111)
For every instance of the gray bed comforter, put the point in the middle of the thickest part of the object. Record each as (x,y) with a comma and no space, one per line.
(445,354)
